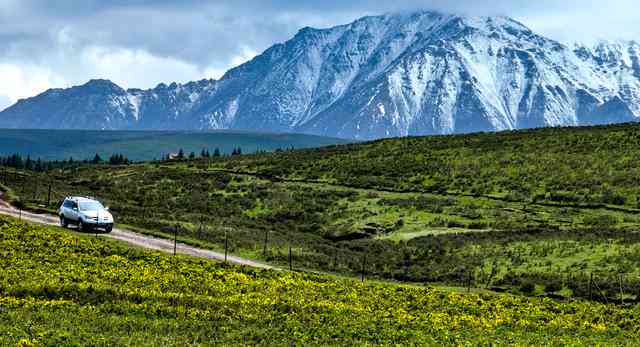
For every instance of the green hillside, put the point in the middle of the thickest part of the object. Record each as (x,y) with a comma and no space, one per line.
(144,145)
(588,165)
(540,212)
(60,288)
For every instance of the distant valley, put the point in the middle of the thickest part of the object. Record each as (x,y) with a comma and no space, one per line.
(145,145)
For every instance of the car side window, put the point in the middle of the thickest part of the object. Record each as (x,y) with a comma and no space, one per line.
(66,204)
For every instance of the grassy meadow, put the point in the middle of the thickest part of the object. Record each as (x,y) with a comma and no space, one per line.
(61,288)
(538,212)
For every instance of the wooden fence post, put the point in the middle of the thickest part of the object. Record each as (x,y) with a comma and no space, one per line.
(290,258)
(266,240)
(364,264)
(621,291)
(590,286)
(226,244)
(175,239)
(595,284)
(494,269)
(35,191)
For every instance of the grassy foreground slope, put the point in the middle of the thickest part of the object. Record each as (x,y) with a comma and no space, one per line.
(60,288)
(144,145)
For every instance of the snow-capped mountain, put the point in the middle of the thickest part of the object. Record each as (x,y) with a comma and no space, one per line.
(380,76)
(101,104)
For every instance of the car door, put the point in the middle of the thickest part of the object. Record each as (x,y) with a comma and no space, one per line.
(66,209)
(73,211)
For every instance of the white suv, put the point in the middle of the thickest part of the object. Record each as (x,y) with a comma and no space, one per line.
(86,213)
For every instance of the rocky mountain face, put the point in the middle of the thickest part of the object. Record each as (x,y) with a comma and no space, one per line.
(392,75)
(101,104)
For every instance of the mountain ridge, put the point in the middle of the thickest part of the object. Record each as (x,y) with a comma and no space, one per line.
(416,73)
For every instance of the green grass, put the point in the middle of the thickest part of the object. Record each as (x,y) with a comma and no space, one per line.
(408,235)
(62,288)
(577,166)
(432,209)
(144,145)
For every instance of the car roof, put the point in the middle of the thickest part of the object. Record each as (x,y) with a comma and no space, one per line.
(80,199)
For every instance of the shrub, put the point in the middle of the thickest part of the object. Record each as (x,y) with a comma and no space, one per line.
(552,286)
(601,220)
(527,287)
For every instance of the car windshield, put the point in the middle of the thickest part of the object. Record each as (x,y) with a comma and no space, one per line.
(90,206)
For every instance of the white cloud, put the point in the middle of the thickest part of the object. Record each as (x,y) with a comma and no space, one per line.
(125,67)
(214,73)
(136,68)
(217,70)
(246,54)
(20,81)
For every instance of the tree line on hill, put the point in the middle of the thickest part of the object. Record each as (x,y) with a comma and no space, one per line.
(17,161)
(204,153)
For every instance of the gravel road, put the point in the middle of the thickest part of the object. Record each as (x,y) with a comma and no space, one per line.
(136,239)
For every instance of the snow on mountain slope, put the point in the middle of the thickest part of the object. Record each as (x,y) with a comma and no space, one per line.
(391,75)
(475,74)
(101,104)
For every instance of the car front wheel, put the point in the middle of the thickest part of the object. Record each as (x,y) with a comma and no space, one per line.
(63,222)
(81,226)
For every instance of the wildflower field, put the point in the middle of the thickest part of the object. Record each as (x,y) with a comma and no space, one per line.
(61,288)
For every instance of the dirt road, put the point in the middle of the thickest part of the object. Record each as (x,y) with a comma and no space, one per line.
(130,237)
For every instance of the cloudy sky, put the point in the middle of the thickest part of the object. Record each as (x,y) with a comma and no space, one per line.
(140,43)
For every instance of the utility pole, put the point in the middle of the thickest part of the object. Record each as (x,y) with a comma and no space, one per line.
(49,196)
